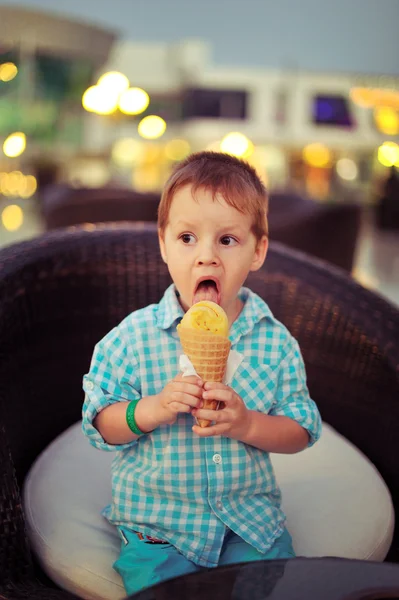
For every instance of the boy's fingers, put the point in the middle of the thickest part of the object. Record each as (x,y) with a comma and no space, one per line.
(215,385)
(189,379)
(180,407)
(190,389)
(218,429)
(187,387)
(184,398)
(206,414)
(223,395)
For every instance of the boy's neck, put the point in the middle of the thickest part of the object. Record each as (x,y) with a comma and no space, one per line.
(239,305)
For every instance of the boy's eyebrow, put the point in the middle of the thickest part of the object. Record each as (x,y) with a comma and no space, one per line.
(184,223)
(230,227)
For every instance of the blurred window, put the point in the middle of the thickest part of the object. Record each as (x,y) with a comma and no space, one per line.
(332,110)
(214,103)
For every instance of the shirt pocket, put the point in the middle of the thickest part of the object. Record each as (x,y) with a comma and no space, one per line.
(256,384)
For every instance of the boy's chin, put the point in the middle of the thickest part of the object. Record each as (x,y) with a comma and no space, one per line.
(183,303)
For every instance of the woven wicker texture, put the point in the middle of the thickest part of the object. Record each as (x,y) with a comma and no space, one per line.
(61,292)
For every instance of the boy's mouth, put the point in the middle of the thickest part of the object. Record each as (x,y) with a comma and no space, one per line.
(207,289)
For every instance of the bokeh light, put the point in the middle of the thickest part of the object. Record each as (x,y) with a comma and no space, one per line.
(100,99)
(28,186)
(316,155)
(115,81)
(387,120)
(371,97)
(237,144)
(89,98)
(15,181)
(12,217)
(152,127)
(363,97)
(3,184)
(133,101)
(388,154)
(347,169)
(177,149)
(15,144)
(8,71)
(126,151)
(17,184)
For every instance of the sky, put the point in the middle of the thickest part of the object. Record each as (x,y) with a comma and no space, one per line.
(356,36)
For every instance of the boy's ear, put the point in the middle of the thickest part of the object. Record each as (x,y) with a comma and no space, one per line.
(260,254)
(162,246)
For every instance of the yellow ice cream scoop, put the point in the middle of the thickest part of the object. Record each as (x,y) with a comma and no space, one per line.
(206,316)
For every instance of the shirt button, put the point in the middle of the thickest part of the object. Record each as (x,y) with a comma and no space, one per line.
(90,385)
(219,505)
(217,459)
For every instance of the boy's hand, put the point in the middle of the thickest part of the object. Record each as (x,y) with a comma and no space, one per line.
(182,394)
(231,421)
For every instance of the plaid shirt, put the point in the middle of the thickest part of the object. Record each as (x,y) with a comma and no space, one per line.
(170,483)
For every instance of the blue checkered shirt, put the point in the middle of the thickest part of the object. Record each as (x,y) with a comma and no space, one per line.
(170,483)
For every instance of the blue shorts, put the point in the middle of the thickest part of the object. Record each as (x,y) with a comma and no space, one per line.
(142,564)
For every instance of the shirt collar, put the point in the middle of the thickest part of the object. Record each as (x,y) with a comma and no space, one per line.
(254,310)
(169,309)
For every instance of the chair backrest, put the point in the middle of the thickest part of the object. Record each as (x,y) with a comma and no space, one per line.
(327,231)
(60,293)
(296,221)
(63,206)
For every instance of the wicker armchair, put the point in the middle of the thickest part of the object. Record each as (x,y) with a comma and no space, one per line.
(328,231)
(63,206)
(61,292)
(298,222)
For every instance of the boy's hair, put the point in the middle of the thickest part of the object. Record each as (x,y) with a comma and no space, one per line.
(223,174)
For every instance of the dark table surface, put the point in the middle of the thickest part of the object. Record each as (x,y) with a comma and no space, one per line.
(296,579)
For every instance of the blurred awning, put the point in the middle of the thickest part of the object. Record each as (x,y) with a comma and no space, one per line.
(59,35)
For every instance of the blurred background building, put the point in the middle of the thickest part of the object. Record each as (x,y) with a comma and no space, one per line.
(110,98)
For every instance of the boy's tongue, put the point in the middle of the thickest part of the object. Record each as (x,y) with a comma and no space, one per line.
(206,291)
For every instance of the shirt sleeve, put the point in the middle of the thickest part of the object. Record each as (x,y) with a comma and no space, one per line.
(113,377)
(292,395)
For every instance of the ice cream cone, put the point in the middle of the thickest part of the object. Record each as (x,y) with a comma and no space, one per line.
(208,354)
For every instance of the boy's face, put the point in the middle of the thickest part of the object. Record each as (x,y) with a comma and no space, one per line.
(207,239)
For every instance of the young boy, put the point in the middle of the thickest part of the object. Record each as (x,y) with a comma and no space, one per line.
(186,497)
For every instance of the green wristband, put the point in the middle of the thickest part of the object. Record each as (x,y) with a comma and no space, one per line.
(130,420)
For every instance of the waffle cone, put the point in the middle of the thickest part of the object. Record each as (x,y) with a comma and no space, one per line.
(208,354)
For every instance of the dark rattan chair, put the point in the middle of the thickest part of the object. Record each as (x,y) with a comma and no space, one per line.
(63,206)
(61,292)
(328,231)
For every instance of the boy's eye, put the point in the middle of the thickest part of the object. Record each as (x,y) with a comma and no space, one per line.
(187,238)
(228,240)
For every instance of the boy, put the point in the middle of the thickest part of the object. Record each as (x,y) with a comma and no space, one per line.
(186,497)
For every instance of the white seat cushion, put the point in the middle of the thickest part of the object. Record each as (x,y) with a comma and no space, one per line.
(336,503)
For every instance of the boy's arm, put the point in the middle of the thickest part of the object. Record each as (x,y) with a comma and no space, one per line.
(112,425)
(292,399)
(274,433)
(111,383)
(291,423)
(114,381)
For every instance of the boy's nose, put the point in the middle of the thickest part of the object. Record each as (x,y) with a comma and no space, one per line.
(207,256)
